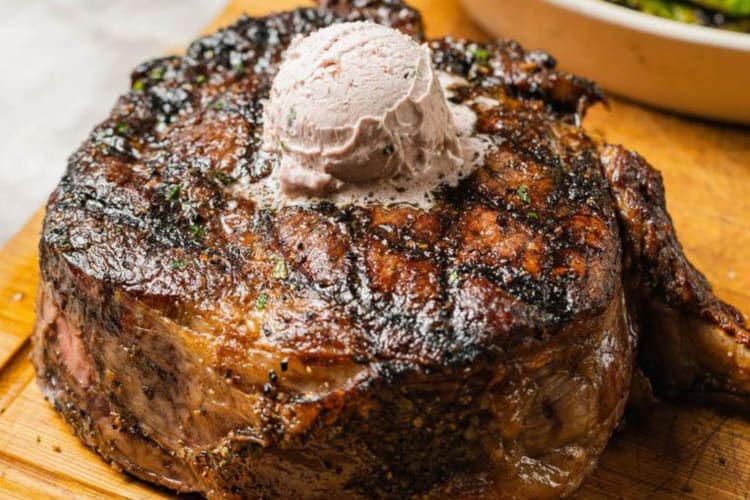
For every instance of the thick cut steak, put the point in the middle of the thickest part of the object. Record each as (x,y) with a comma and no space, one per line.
(483,347)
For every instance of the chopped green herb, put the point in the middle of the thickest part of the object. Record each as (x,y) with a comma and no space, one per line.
(122,128)
(453,278)
(64,245)
(238,68)
(280,272)
(197,232)
(222,177)
(173,192)
(532,215)
(282,145)
(481,55)
(157,73)
(523,193)
(179,264)
(219,105)
(139,85)
(200,79)
(260,304)
(291,116)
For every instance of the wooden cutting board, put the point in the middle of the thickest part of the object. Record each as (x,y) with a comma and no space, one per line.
(679,450)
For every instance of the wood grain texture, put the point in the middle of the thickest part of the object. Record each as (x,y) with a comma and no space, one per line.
(678,450)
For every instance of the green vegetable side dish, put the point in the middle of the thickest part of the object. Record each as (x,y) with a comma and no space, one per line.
(733,15)
(736,8)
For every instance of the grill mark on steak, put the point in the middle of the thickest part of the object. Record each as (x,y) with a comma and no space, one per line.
(478,348)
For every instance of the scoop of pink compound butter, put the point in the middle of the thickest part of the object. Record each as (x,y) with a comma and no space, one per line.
(353,104)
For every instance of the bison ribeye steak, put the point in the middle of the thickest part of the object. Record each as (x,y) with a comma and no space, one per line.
(483,347)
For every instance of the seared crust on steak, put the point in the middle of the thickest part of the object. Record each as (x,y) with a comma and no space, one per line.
(481,347)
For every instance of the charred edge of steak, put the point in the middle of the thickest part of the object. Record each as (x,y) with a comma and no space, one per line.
(523,75)
(691,339)
(654,253)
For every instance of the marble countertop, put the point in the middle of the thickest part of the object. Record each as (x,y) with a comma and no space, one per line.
(66,61)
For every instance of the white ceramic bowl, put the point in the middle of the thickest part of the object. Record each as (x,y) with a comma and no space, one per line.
(689,69)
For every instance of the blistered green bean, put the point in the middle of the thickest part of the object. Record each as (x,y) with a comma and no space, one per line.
(701,12)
